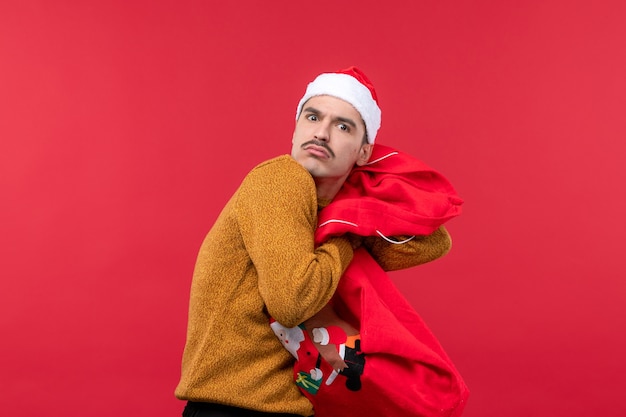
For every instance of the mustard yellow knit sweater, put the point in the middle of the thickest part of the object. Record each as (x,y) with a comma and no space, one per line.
(257,261)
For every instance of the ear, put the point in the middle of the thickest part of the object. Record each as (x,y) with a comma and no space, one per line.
(295,126)
(364,154)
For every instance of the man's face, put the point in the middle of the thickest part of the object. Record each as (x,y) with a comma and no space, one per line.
(328,139)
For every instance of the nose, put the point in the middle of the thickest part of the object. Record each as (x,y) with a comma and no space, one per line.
(322,132)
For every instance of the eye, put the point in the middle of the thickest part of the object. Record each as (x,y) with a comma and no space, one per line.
(343,127)
(312,117)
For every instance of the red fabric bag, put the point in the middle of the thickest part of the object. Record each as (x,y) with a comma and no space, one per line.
(405,371)
(394,194)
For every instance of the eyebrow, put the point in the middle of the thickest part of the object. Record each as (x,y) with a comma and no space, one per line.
(339,119)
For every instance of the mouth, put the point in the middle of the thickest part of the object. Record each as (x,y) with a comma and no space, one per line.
(318,149)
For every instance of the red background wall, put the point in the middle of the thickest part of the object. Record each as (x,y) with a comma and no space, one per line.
(126,125)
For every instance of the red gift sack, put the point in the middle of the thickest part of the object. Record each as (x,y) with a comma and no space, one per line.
(393,194)
(394,365)
(401,369)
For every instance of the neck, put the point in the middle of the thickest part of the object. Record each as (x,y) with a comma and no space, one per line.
(327,188)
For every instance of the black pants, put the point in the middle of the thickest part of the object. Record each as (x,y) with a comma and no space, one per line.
(194,409)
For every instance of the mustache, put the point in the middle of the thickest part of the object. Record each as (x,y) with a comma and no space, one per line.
(319,143)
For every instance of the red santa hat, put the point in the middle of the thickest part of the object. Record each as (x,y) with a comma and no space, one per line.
(352,86)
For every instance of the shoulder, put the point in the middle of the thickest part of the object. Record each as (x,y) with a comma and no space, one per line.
(280,170)
(279,188)
(281,163)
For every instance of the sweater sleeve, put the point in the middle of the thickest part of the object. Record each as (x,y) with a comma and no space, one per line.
(277,215)
(417,251)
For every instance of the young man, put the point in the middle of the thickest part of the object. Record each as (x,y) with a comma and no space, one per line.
(260,261)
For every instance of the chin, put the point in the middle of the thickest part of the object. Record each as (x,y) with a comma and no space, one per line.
(313,168)
(310,164)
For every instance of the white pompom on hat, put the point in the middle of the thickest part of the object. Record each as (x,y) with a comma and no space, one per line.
(350,85)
